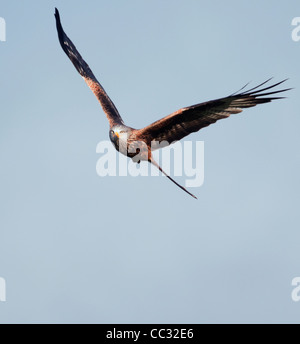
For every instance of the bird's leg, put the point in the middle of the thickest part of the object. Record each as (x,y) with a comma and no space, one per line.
(152,161)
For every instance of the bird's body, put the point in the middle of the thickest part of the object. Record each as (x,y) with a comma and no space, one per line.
(125,141)
(138,144)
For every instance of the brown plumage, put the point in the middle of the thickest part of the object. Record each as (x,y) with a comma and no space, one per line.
(193,118)
(171,128)
(84,70)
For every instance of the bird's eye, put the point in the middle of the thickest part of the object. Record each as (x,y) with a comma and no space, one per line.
(112,132)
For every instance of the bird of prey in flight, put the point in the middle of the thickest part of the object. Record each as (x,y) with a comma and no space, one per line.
(138,144)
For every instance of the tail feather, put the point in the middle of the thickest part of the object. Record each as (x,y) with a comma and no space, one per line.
(152,161)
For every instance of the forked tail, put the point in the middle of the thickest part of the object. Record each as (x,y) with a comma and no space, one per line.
(151,160)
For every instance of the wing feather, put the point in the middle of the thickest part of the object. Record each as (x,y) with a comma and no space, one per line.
(84,70)
(193,118)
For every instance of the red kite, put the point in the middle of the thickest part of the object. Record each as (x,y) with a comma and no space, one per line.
(138,144)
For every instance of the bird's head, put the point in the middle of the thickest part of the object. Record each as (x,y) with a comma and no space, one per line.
(117,134)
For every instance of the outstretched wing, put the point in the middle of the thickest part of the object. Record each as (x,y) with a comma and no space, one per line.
(193,118)
(84,70)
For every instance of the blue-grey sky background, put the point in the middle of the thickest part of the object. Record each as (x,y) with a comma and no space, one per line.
(78,248)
